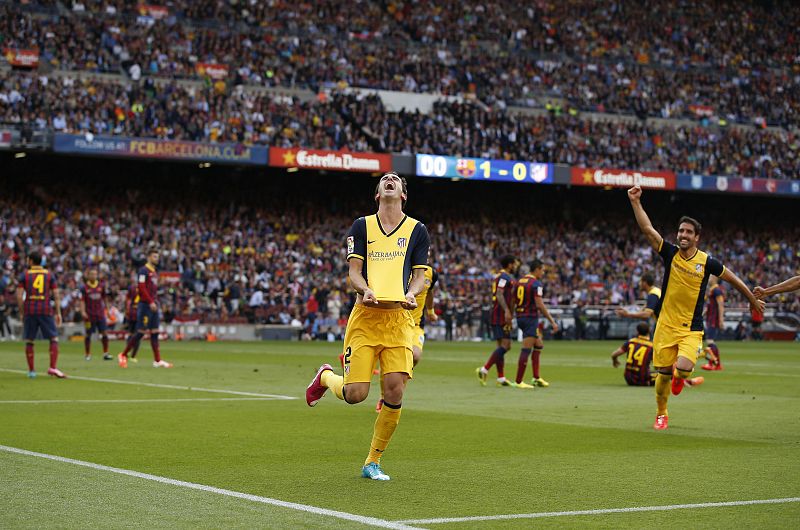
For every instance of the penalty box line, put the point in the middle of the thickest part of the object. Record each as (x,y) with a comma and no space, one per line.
(602,511)
(160,385)
(370,521)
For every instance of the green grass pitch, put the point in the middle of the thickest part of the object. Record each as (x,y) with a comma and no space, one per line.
(460,450)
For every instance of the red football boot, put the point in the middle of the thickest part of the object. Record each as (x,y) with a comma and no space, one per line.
(315,390)
(677,385)
(661,422)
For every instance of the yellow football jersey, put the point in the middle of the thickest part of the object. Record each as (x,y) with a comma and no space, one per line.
(388,259)
(684,287)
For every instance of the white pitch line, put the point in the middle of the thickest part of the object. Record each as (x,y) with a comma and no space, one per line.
(371,521)
(539,515)
(156,400)
(160,385)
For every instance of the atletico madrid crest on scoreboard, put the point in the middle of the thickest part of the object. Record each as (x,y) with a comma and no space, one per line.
(466,167)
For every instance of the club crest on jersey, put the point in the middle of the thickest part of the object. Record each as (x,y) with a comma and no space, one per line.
(401,242)
(698,268)
(351,245)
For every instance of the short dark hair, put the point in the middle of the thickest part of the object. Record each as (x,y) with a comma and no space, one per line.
(535,264)
(692,221)
(643,328)
(402,181)
(648,278)
(507,260)
(35,256)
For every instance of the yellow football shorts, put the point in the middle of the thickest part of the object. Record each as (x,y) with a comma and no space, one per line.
(419,337)
(670,343)
(373,335)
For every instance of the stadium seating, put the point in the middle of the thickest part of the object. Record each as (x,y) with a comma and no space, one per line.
(584,53)
(286,242)
(359,123)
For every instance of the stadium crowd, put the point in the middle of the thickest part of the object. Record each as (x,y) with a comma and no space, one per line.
(353,122)
(277,255)
(734,60)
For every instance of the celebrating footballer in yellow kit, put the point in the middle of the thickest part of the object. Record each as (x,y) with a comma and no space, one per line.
(384,251)
(679,332)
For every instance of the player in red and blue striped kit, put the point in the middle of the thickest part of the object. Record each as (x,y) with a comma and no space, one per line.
(147,313)
(503,288)
(715,320)
(530,305)
(36,286)
(93,310)
(131,307)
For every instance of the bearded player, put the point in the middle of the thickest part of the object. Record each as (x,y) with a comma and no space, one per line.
(678,339)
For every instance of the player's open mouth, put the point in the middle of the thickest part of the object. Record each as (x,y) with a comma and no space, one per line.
(389,186)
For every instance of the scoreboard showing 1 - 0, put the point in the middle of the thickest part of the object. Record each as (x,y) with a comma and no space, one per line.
(484,169)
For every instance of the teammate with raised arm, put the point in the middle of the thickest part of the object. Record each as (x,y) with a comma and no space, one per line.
(678,337)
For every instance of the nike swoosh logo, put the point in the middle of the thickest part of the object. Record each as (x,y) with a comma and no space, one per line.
(370,242)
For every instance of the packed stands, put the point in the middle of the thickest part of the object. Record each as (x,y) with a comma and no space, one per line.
(173,111)
(675,61)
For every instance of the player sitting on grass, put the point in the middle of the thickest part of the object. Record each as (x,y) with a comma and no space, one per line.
(639,351)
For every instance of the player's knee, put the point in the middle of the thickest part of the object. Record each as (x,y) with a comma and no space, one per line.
(393,394)
(684,364)
(353,395)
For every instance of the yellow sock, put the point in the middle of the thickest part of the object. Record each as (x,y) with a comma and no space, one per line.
(662,393)
(387,421)
(333,382)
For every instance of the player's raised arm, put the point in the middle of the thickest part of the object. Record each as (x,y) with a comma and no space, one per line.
(635,196)
(792,284)
(755,304)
